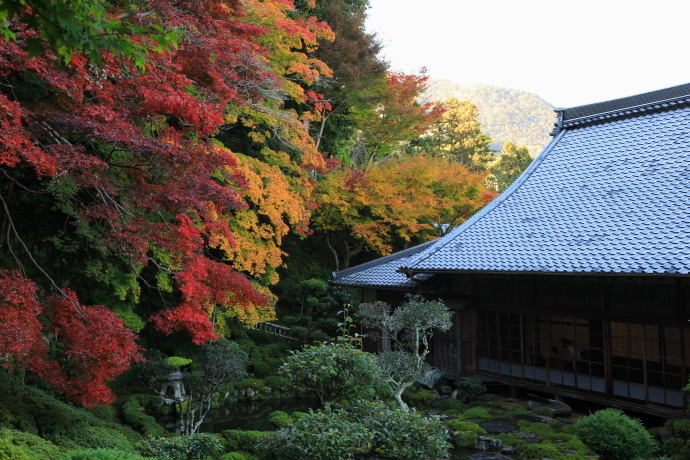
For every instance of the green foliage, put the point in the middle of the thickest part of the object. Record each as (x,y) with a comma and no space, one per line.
(133,412)
(280,419)
(177,361)
(10,452)
(364,429)
(538,451)
(475,413)
(509,165)
(34,412)
(465,438)
(471,388)
(243,441)
(505,114)
(18,445)
(449,404)
(543,411)
(334,372)
(459,425)
(676,448)
(238,456)
(193,446)
(103,454)
(72,26)
(421,398)
(680,427)
(612,433)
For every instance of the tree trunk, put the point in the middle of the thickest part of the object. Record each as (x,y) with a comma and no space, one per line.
(398,397)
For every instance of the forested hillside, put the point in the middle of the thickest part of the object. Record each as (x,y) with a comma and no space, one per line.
(505,114)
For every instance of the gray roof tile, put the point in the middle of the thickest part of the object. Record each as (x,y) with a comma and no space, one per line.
(609,194)
(603,198)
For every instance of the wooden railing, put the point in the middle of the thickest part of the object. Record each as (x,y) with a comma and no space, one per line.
(276,329)
(284,332)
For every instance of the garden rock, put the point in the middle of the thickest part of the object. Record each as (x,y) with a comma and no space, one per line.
(532,418)
(431,378)
(499,427)
(559,408)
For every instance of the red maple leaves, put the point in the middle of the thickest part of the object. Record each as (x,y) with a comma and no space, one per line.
(80,349)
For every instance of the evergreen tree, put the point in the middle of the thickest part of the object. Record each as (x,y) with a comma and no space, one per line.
(458,137)
(509,165)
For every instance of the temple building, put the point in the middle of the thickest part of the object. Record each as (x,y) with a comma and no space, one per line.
(576,280)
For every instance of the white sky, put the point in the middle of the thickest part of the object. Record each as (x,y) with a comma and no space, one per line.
(567,52)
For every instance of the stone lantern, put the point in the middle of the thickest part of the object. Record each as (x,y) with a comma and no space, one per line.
(173,388)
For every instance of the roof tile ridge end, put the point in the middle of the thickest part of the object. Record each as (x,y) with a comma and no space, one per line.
(425,254)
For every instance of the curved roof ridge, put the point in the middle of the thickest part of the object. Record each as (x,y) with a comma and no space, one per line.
(629,103)
(413,260)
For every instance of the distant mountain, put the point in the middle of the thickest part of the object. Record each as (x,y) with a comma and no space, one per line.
(505,114)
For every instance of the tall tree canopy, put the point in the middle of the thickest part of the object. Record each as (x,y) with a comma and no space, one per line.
(458,136)
(512,161)
(122,184)
(399,200)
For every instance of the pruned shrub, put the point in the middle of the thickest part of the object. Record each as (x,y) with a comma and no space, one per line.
(103,454)
(459,425)
(193,446)
(366,429)
(238,456)
(612,433)
(449,405)
(133,412)
(28,445)
(471,388)
(675,448)
(475,413)
(279,419)
(420,399)
(243,441)
(538,451)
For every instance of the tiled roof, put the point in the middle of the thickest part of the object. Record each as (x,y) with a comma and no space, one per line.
(626,103)
(607,197)
(382,272)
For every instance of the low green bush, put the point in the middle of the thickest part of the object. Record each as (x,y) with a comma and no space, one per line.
(449,405)
(279,419)
(612,433)
(421,399)
(103,454)
(238,456)
(243,441)
(475,413)
(680,428)
(459,425)
(134,414)
(194,446)
(465,439)
(364,430)
(93,437)
(539,452)
(471,388)
(35,411)
(556,425)
(675,448)
(31,445)
(9,451)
